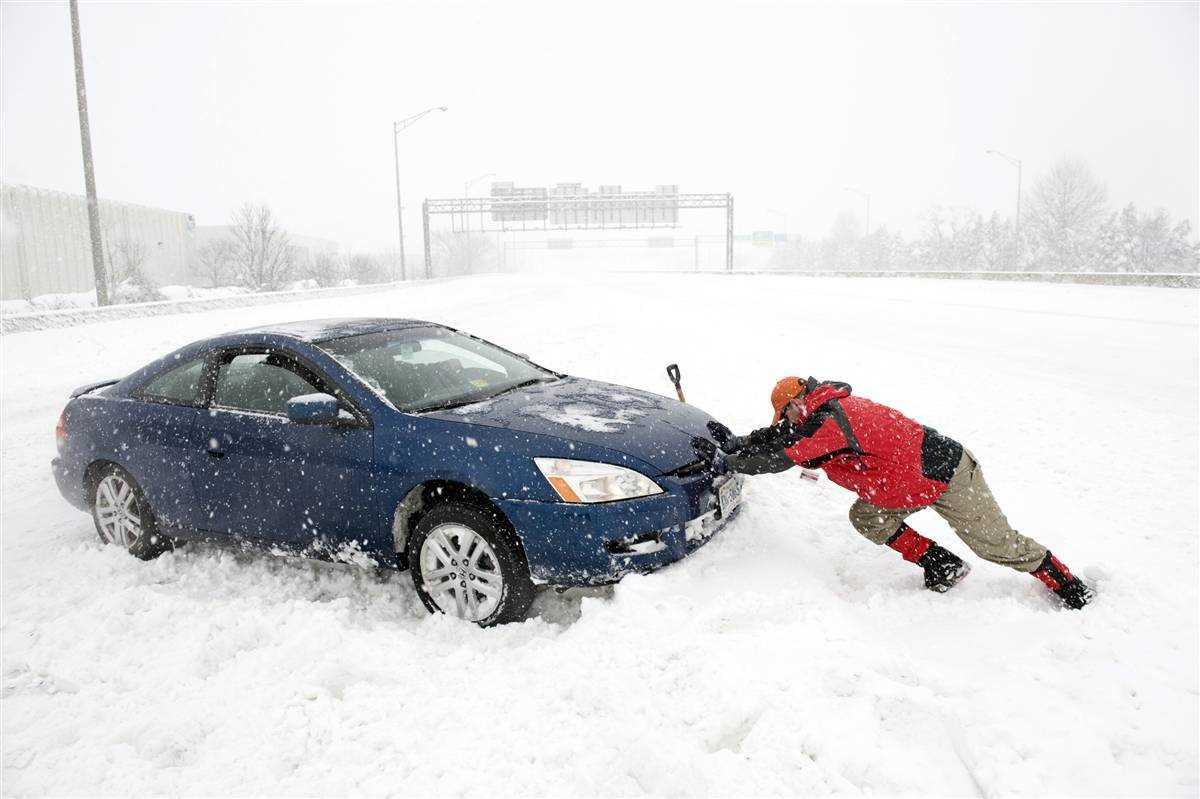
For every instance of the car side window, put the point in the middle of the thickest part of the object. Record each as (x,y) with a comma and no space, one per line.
(262,382)
(180,384)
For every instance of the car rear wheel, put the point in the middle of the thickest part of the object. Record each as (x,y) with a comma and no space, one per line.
(122,514)
(465,563)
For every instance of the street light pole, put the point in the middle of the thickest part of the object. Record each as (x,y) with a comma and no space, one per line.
(1017,163)
(467,190)
(866,196)
(89,174)
(466,219)
(396,128)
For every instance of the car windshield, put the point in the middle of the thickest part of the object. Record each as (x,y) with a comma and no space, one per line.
(429,368)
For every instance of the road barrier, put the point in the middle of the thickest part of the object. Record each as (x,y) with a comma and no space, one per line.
(69,317)
(1160,279)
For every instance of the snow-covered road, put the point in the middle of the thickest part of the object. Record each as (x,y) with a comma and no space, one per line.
(788,657)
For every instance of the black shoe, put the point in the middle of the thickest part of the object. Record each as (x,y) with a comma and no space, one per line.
(1075,593)
(943,569)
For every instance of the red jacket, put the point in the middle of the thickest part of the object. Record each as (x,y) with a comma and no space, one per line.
(878,453)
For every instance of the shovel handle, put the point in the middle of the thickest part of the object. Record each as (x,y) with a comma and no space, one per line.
(673,374)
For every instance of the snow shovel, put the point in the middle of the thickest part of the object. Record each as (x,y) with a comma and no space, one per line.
(673,373)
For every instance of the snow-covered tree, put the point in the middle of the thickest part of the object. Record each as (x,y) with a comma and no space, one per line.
(952,240)
(883,251)
(1065,209)
(839,250)
(1130,241)
(1000,249)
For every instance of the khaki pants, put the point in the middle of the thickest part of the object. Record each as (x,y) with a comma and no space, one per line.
(967,506)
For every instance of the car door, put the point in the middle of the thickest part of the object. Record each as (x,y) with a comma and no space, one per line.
(162,454)
(268,479)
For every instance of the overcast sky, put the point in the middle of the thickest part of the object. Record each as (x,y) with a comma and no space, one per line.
(200,106)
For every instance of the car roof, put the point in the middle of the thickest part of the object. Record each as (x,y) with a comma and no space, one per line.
(314,330)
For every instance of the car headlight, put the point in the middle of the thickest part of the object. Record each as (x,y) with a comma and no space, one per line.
(587,481)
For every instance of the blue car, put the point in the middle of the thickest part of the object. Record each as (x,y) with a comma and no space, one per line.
(402,443)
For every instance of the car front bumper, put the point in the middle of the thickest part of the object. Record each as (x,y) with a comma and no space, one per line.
(572,545)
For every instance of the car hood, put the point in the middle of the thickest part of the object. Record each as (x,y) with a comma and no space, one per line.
(653,428)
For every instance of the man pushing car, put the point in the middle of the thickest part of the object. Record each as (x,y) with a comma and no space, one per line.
(897,467)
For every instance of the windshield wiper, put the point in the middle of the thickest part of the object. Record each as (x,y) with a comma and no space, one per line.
(471,400)
(522,384)
(441,406)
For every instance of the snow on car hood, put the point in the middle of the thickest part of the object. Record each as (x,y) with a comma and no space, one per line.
(656,429)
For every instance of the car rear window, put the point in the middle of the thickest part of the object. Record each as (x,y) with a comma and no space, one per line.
(181,384)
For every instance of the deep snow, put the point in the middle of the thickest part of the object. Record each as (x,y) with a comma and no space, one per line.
(787,657)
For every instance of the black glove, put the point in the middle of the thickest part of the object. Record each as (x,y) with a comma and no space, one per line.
(726,440)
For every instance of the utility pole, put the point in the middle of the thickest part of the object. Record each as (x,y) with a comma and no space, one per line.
(1017,163)
(396,128)
(89,175)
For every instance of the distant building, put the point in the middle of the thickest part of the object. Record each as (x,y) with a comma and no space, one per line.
(45,244)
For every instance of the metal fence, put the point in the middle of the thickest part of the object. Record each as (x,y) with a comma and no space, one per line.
(45,246)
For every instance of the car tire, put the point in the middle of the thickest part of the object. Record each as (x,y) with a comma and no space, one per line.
(493,583)
(122,514)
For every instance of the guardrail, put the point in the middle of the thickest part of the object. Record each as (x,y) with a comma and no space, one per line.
(1161,279)
(69,317)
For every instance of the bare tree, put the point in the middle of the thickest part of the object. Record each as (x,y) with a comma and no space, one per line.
(130,259)
(365,268)
(263,258)
(324,267)
(214,261)
(125,258)
(457,253)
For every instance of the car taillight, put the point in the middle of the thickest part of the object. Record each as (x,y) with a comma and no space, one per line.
(60,431)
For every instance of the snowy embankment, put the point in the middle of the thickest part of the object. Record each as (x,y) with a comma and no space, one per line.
(87,299)
(68,310)
(787,657)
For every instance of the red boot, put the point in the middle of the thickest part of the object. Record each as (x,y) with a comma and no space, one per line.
(943,569)
(1058,578)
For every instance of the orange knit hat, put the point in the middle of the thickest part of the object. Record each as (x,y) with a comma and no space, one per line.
(784,392)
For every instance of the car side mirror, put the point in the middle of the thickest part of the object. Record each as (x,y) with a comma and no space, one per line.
(313,409)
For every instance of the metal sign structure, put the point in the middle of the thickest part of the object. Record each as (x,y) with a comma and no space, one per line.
(565,207)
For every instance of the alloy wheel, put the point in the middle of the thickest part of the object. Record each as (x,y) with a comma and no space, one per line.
(460,572)
(117,512)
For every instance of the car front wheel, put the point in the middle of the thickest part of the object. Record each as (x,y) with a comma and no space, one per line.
(465,563)
(122,514)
